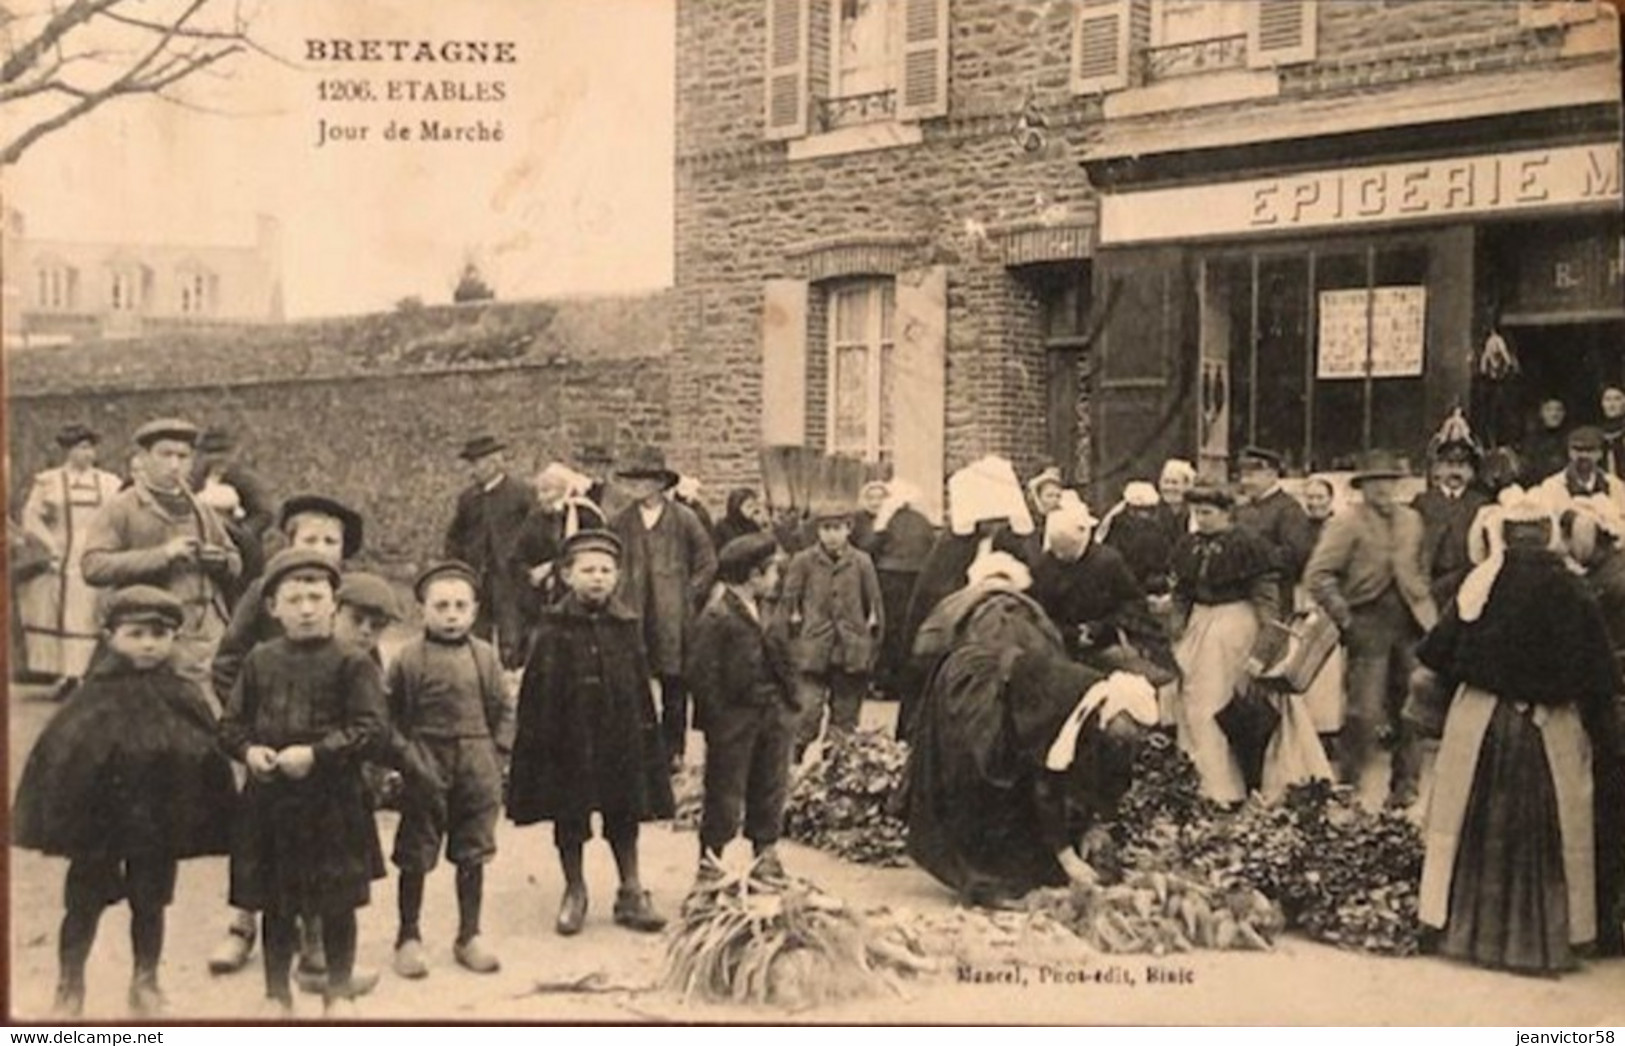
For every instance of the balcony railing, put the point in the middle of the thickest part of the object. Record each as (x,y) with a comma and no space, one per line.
(874,107)
(1202,56)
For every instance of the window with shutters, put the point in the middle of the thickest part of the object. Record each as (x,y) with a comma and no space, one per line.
(861,368)
(835,64)
(1119,44)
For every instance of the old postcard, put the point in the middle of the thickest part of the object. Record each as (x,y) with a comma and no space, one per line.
(894,511)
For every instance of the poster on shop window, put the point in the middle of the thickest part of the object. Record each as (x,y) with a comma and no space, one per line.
(338,333)
(1380,331)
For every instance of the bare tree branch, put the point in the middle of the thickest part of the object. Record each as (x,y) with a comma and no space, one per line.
(155,56)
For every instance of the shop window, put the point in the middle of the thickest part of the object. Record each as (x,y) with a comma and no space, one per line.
(839,63)
(1118,44)
(861,369)
(56,286)
(1326,351)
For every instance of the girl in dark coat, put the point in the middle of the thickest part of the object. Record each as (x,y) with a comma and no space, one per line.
(125,782)
(588,740)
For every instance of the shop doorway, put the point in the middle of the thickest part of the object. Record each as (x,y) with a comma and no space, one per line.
(1568,361)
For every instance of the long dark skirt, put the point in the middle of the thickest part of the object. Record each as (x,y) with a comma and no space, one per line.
(895,589)
(306,847)
(1508,897)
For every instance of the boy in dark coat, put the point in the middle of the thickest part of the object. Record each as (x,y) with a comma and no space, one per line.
(744,693)
(832,601)
(304,711)
(446,701)
(1274,515)
(587,739)
(125,782)
(333,529)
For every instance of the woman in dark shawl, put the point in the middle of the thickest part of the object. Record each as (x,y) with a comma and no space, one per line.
(1509,870)
(743,516)
(1019,754)
(987,512)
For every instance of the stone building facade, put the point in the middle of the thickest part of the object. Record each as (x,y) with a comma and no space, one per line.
(890,239)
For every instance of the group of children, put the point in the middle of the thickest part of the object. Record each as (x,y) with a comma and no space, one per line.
(135,774)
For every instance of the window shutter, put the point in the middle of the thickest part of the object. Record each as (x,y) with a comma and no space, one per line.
(922,82)
(786,65)
(784,363)
(919,415)
(1536,14)
(1282,32)
(1105,37)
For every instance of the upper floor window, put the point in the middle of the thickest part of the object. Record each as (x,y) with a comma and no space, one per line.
(835,63)
(56,286)
(1127,43)
(199,290)
(129,287)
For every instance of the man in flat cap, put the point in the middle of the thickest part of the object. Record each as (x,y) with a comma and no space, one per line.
(484,533)
(1274,515)
(1584,476)
(57,607)
(156,533)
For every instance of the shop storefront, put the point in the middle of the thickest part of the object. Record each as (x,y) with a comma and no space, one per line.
(1328,310)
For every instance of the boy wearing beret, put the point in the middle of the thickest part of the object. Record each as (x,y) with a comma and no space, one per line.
(305,710)
(744,690)
(448,716)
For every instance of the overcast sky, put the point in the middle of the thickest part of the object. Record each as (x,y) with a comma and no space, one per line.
(577,199)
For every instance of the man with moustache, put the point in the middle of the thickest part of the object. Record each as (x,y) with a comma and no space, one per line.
(1449,506)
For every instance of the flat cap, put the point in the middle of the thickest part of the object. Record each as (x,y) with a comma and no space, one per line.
(591,541)
(144,603)
(1210,494)
(445,568)
(1259,456)
(481,447)
(167,428)
(1586,437)
(369,592)
(740,557)
(323,505)
(291,561)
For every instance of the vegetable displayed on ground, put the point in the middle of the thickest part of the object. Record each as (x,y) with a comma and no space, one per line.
(1340,873)
(779,941)
(1159,913)
(841,803)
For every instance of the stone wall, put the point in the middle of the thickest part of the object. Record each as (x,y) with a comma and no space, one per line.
(362,407)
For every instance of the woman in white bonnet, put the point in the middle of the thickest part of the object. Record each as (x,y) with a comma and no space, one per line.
(561,509)
(1178,476)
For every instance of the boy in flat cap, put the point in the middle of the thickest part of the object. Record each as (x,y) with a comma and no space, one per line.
(305,710)
(449,713)
(832,601)
(137,725)
(588,740)
(156,533)
(484,533)
(744,691)
(331,528)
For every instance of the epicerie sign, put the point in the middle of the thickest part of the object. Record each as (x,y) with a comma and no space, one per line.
(1540,178)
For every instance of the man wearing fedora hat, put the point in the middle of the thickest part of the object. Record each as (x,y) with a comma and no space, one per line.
(1367,573)
(667,569)
(57,607)
(484,533)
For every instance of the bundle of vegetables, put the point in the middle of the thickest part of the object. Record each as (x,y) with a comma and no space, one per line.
(688,789)
(1341,873)
(779,941)
(841,803)
(1162,913)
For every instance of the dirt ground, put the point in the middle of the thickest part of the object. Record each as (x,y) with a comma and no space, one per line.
(1299,983)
